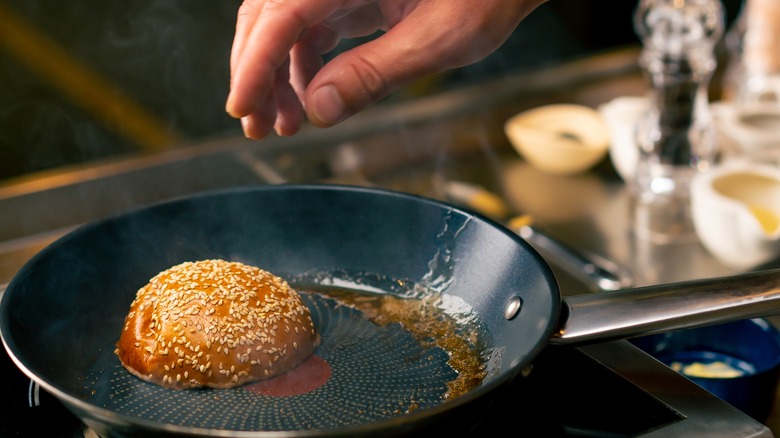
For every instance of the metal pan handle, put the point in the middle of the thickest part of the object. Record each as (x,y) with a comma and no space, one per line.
(655,309)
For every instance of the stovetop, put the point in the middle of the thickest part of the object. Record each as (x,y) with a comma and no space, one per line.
(29,411)
(592,401)
(569,392)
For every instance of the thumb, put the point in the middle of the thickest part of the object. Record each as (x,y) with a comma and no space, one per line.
(347,84)
(365,74)
(435,37)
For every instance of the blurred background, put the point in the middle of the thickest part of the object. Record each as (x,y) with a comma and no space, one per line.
(94,80)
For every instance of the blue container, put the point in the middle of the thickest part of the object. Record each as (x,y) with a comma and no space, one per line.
(750,348)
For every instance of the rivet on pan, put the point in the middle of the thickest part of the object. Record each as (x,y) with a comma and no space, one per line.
(513,307)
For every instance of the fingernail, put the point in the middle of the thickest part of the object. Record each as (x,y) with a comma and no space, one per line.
(327,105)
(246,126)
(252,129)
(230,106)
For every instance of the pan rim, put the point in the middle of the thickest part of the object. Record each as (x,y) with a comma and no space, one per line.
(116,419)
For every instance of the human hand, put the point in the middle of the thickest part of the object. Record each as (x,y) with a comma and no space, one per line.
(277,72)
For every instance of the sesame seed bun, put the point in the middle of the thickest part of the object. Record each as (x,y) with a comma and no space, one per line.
(217,324)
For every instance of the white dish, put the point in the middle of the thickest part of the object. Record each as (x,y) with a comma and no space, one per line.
(751,131)
(559,139)
(736,212)
(622,115)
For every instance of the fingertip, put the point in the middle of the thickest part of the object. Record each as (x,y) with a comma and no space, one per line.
(326,106)
(287,126)
(285,131)
(252,130)
(232,109)
(248,93)
(259,124)
(238,106)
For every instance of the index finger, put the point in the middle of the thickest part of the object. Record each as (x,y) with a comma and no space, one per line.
(266,31)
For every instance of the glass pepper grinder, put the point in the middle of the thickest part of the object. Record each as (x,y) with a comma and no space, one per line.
(675,137)
(752,76)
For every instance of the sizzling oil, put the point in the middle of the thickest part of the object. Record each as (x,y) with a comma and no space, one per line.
(429,324)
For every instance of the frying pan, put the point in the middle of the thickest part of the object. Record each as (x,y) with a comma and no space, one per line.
(62,313)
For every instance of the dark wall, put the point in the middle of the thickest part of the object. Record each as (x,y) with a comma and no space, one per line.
(171,58)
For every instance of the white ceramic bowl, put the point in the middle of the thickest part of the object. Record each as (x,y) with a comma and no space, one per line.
(750,130)
(559,139)
(736,212)
(622,115)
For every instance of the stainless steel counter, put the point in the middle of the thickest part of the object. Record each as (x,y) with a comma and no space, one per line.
(378,146)
(407,146)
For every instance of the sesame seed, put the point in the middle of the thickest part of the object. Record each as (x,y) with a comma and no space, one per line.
(233,306)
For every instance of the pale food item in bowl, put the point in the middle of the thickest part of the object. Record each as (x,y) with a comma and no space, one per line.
(707,370)
(737,361)
(736,213)
(213,323)
(559,139)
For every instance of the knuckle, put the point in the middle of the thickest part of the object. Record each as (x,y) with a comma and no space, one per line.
(247,11)
(372,81)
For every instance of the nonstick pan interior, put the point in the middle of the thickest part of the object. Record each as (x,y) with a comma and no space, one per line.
(373,374)
(62,313)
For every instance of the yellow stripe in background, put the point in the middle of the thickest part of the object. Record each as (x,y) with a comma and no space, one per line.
(85,88)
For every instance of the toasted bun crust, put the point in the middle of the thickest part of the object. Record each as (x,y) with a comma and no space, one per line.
(217,324)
